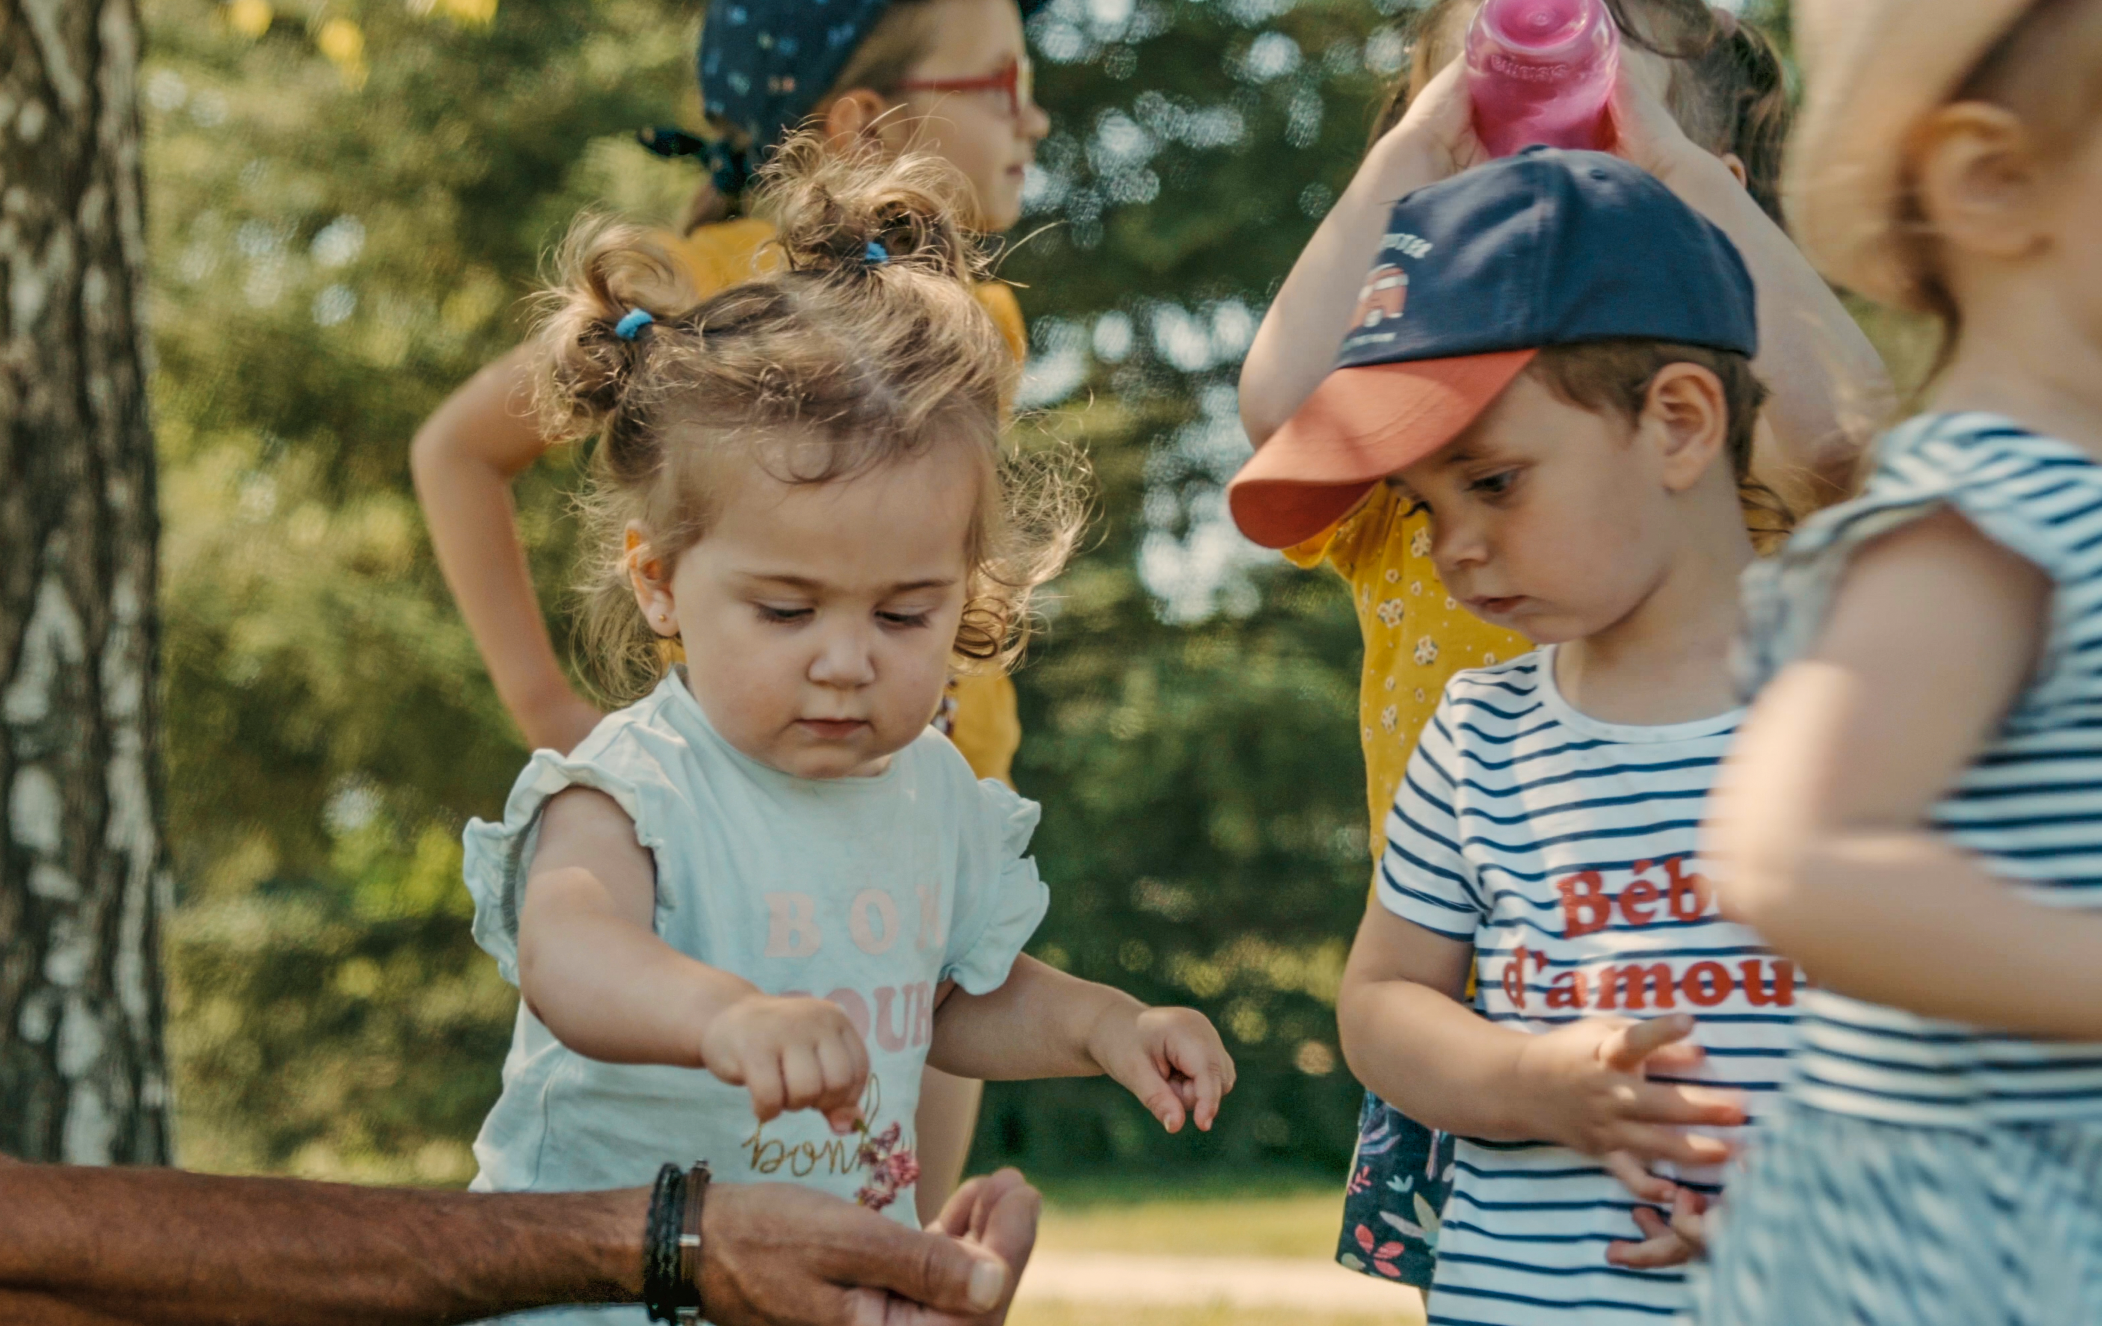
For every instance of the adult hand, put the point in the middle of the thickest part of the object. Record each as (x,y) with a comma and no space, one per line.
(778,1255)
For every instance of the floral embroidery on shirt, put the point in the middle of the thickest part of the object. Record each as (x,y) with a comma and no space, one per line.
(1487,659)
(1421,698)
(1451,603)
(1390,612)
(1426,651)
(1392,682)
(1389,716)
(1420,546)
(1416,588)
(1393,576)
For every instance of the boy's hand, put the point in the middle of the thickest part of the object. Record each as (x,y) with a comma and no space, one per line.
(1666,1243)
(1588,1088)
(1170,1058)
(792,1053)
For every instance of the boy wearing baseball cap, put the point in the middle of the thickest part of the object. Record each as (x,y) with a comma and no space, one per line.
(1566,389)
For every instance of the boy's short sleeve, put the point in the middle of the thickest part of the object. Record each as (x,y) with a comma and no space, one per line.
(1001,900)
(1424,877)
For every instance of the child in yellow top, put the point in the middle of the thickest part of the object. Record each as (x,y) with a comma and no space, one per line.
(1714,112)
(948,77)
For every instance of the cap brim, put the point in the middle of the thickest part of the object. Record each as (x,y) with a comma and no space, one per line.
(1359,426)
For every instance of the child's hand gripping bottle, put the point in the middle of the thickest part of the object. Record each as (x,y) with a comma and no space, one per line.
(1541,71)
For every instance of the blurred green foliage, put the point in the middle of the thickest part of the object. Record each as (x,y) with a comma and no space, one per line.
(349,200)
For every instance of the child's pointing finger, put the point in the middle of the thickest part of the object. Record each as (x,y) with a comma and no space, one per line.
(1627,1049)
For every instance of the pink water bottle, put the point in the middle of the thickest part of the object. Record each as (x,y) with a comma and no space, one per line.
(1541,71)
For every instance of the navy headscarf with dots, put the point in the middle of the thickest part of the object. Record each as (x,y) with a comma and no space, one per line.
(763,64)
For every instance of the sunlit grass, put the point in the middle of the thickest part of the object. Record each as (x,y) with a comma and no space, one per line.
(1291,1215)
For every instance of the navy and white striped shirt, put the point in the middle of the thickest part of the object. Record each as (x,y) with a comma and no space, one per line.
(1563,849)
(2030,804)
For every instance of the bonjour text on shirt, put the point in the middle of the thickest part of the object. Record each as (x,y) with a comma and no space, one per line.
(1563,849)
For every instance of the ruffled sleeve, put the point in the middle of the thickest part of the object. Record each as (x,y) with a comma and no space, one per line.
(2009,484)
(1002,901)
(498,856)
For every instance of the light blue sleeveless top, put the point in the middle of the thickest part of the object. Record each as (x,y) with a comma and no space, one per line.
(870,892)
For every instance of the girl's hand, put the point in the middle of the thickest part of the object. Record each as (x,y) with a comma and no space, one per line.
(1646,135)
(1666,1243)
(1439,126)
(1589,1088)
(792,1053)
(1170,1058)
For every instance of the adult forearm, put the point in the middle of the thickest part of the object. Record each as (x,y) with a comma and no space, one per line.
(1893,917)
(1296,345)
(1434,1059)
(81,1245)
(1036,1025)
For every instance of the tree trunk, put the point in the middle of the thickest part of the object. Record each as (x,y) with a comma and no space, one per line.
(83,877)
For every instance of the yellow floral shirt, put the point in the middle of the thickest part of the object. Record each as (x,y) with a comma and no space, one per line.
(979,713)
(1416,635)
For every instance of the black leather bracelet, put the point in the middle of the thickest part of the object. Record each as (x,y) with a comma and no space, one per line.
(660,1245)
(692,1200)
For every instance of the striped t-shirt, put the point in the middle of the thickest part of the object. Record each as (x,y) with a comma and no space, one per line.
(1563,849)
(2029,805)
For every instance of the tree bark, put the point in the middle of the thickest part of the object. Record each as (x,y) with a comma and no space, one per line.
(83,874)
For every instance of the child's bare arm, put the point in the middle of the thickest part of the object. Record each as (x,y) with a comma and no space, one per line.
(1044,1023)
(1296,346)
(1407,1037)
(464,460)
(1818,819)
(1830,387)
(590,966)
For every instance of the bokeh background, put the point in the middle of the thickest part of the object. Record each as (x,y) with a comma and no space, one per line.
(350,198)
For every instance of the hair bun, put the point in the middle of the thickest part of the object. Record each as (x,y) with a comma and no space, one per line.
(608,275)
(831,207)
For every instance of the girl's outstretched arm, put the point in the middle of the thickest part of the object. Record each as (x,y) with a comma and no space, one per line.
(464,460)
(591,967)
(1044,1023)
(1818,823)
(1296,346)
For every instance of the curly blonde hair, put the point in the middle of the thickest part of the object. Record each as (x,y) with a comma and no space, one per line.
(868,346)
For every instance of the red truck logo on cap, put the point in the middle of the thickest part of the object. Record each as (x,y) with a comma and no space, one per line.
(1385,294)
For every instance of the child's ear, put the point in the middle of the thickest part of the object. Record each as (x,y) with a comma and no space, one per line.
(855,114)
(1687,420)
(652,581)
(1976,180)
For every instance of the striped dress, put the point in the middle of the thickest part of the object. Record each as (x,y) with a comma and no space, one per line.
(1925,1172)
(1563,849)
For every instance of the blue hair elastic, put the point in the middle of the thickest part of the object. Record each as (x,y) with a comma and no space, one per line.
(876,254)
(634,321)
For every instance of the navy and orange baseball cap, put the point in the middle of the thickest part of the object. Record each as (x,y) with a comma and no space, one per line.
(1475,276)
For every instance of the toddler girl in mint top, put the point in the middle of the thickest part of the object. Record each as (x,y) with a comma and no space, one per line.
(753,904)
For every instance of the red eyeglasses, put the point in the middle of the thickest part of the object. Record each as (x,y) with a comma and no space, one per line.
(1017,79)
